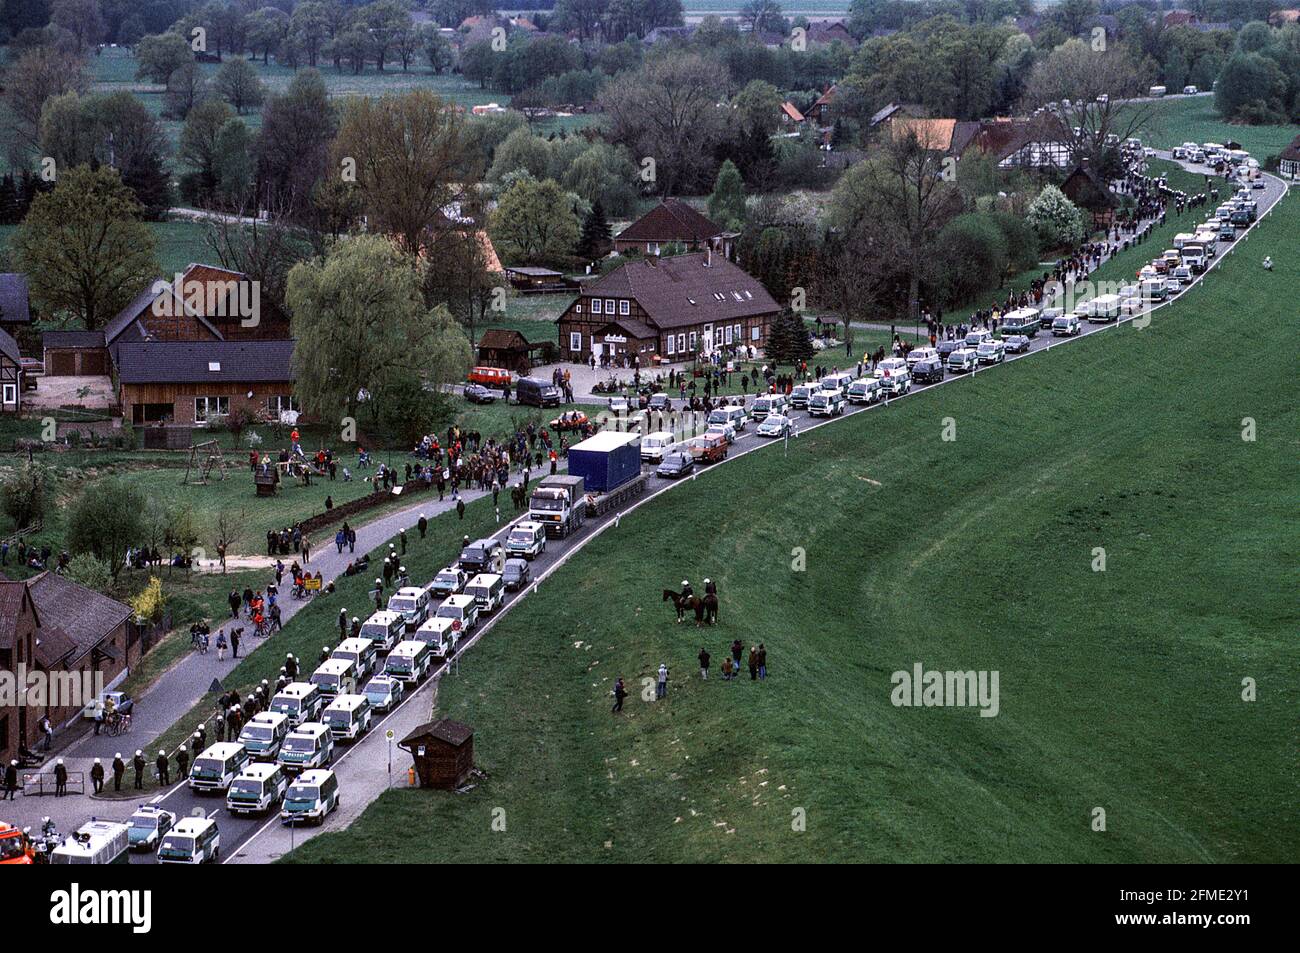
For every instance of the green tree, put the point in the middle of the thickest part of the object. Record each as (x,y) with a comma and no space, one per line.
(758,105)
(1251,87)
(198,148)
(596,238)
(788,340)
(91,571)
(727,203)
(534,222)
(521,151)
(186,88)
(970,254)
(24,493)
(105,521)
(237,83)
(84,248)
(160,55)
(232,164)
(361,325)
(1058,221)
(32,79)
(293,145)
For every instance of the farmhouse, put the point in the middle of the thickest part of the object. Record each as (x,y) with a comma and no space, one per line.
(1035,143)
(668,309)
(1088,190)
(188,383)
(15,307)
(1289,159)
(11,374)
(673,222)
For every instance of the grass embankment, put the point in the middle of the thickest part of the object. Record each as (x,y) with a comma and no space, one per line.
(1119,689)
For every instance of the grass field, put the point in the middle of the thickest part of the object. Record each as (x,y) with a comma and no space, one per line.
(1196,120)
(179,244)
(1123,688)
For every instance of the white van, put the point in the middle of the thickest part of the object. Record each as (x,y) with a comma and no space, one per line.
(975,337)
(385,629)
(865,390)
(800,394)
(488,590)
(310,745)
(411,603)
(95,842)
(194,840)
(409,662)
(1182,238)
(217,766)
(313,795)
(440,635)
(1101,308)
(729,415)
(527,539)
(962,360)
(299,701)
(826,403)
(263,735)
(839,382)
(895,382)
(1066,326)
(348,717)
(768,404)
(462,609)
(655,445)
(335,676)
(258,788)
(360,652)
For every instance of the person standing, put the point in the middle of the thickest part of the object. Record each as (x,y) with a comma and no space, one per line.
(762,660)
(97,776)
(460,508)
(182,763)
(234,643)
(753,664)
(119,769)
(661,683)
(306,551)
(704,663)
(737,649)
(401,536)
(620,693)
(235,602)
(60,778)
(47,730)
(11,779)
(164,768)
(422,525)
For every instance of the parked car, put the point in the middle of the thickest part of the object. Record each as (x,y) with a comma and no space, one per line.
(946,348)
(929,372)
(655,445)
(660,402)
(516,574)
(147,827)
(383,692)
(122,704)
(676,463)
(1016,343)
(865,390)
(478,394)
(1047,316)
(775,425)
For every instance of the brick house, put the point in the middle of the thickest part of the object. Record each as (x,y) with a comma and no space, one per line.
(187,382)
(673,222)
(1288,160)
(18,627)
(670,308)
(11,375)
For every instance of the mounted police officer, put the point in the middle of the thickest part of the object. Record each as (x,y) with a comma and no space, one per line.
(687,591)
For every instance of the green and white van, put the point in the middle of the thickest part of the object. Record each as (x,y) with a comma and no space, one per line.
(334,676)
(312,796)
(95,842)
(299,701)
(409,662)
(440,635)
(195,840)
(411,603)
(310,745)
(264,734)
(361,653)
(258,788)
(217,766)
(462,609)
(865,390)
(348,717)
(385,629)
(488,590)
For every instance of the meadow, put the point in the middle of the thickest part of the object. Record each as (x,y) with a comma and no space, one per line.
(1107,531)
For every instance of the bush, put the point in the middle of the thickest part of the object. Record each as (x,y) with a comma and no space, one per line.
(1058,221)
(25,492)
(91,572)
(150,602)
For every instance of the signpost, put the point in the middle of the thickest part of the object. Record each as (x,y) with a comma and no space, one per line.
(388,735)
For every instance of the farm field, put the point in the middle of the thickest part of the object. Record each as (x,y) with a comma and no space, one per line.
(179,243)
(1120,689)
(1196,120)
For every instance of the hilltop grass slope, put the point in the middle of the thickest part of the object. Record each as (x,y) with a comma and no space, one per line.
(1119,690)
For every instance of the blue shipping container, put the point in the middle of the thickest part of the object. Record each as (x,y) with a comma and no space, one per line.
(607,460)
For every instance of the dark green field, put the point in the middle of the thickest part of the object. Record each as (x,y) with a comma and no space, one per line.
(1120,690)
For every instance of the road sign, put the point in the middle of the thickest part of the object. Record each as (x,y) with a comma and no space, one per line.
(389,734)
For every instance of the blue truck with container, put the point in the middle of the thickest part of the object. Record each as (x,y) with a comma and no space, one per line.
(604,472)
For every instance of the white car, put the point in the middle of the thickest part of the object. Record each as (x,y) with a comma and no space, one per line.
(892,365)
(918,354)
(726,431)
(775,425)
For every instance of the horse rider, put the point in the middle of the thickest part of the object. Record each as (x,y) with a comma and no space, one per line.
(687,591)
(710,587)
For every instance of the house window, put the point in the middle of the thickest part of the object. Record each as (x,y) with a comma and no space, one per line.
(595,306)
(652,248)
(672,344)
(753,333)
(11,394)
(609,305)
(727,334)
(279,403)
(736,335)
(625,308)
(575,340)
(206,407)
(578,309)
(681,343)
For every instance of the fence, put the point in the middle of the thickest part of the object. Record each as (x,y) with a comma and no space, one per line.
(28,530)
(41,783)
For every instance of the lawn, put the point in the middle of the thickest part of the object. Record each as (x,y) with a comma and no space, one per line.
(1124,687)
(1196,120)
(179,244)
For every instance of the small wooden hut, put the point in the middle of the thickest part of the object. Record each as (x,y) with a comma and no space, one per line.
(443,752)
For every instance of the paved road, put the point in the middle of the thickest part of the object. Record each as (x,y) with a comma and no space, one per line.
(363,766)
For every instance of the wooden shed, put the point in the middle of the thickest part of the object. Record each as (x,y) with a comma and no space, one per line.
(443,752)
(499,347)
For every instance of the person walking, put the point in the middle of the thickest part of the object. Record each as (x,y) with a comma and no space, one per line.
(234,643)
(119,769)
(620,693)
(753,664)
(726,668)
(11,779)
(460,508)
(661,684)
(704,663)
(47,730)
(306,550)
(97,777)
(221,646)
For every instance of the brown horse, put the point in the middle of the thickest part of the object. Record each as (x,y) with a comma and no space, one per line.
(705,609)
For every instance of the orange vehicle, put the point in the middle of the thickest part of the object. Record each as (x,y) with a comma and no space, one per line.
(496,378)
(572,420)
(14,848)
(708,449)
